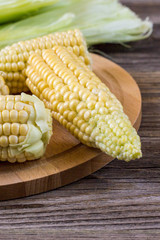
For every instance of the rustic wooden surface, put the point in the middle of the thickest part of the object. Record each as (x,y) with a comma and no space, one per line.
(122,200)
(67,160)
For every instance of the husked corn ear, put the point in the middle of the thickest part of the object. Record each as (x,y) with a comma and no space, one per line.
(4,90)
(82,103)
(13,59)
(25,128)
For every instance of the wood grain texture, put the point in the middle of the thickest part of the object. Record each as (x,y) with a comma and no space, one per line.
(122,200)
(66,159)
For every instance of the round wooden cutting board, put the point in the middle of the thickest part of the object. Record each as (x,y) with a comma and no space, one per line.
(66,159)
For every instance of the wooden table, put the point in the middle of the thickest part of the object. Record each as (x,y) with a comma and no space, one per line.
(122,200)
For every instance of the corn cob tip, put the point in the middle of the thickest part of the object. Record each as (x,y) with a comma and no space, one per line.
(114,135)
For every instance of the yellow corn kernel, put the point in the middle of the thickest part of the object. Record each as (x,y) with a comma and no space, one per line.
(23,116)
(14,116)
(23,129)
(5,116)
(3,141)
(15,128)
(6,129)
(21,139)
(4,90)
(13,139)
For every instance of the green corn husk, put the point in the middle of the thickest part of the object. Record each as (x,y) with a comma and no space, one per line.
(99,20)
(13,10)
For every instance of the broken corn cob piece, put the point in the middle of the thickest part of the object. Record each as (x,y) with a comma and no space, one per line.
(4,90)
(82,103)
(25,128)
(13,59)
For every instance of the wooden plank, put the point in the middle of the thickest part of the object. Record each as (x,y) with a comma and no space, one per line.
(70,234)
(145,8)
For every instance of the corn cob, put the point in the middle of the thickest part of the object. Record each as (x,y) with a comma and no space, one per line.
(25,128)
(82,103)
(4,90)
(13,59)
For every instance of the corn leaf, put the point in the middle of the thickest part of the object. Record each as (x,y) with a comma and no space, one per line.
(12,10)
(99,20)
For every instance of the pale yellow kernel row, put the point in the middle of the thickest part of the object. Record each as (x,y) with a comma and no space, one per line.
(13,116)
(5,156)
(5,141)
(8,129)
(10,98)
